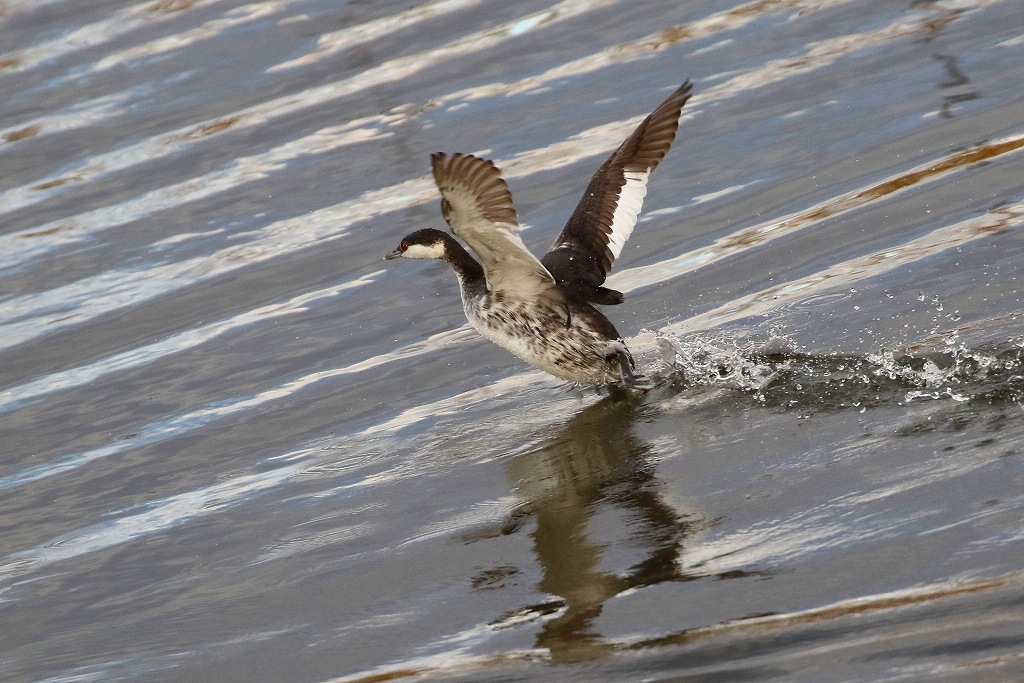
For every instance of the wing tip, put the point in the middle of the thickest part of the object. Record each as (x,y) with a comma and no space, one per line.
(460,163)
(606,216)
(652,139)
(481,177)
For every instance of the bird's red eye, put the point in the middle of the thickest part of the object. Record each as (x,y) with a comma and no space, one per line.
(403,246)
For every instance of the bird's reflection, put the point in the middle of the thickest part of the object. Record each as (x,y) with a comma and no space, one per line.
(593,462)
(957,81)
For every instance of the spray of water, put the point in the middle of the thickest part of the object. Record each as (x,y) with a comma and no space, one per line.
(777,374)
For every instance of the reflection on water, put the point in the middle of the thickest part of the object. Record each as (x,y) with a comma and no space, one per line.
(593,463)
(955,80)
(594,502)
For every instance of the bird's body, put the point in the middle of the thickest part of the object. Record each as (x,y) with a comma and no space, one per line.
(542,310)
(574,342)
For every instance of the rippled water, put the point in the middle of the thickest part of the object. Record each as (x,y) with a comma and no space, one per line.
(237,446)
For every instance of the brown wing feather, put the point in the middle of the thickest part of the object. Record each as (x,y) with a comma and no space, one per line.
(472,189)
(584,251)
(477,204)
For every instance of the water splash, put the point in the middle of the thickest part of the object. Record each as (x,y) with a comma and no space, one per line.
(715,361)
(778,375)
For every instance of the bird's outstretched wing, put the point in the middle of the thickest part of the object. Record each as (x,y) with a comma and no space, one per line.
(592,239)
(477,205)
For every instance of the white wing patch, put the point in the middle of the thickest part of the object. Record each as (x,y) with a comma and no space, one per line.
(631,200)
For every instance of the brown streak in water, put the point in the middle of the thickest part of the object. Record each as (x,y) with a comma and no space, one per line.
(844,203)
(205,130)
(169,6)
(390,675)
(1007,218)
(764,624)
(851,608)
(993,661)
(44,233)
(26,132)
(965,158)
(938,23)
(659,40)
(9,63)
(758,8)
(50,184)
(210,128)
(677,34)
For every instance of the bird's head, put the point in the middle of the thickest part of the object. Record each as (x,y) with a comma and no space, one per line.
(427,243)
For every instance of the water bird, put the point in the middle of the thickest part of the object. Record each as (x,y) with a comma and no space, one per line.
(543,310)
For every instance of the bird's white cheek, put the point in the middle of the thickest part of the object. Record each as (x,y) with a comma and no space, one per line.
(424,251)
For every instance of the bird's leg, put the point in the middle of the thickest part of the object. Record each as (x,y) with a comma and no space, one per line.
(629,379)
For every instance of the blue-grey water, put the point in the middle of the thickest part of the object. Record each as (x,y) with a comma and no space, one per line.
(238,446)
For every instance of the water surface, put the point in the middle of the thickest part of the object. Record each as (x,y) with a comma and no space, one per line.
(239,446)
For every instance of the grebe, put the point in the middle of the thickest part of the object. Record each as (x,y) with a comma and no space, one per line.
(542,310)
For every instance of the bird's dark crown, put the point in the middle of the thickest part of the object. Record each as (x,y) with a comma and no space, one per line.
(427,237)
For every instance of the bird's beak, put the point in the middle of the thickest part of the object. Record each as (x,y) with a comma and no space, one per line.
(397,253)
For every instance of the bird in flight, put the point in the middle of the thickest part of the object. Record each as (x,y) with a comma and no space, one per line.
(543,310)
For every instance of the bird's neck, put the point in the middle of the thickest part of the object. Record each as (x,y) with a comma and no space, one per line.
(471,273)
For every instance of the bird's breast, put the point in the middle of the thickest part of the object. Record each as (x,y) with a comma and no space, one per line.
(546,336)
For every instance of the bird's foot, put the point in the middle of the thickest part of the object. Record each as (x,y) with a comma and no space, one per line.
(632,381)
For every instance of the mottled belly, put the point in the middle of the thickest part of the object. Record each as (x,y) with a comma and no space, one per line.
(540,336)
